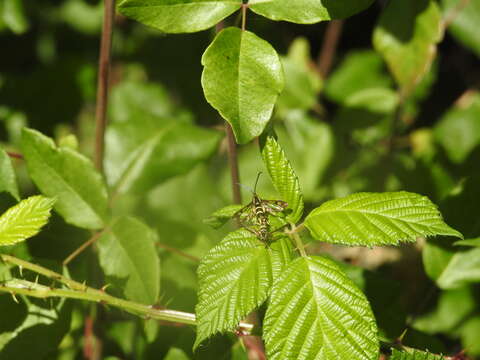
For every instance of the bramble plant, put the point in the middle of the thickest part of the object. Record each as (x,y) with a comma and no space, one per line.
(272,287)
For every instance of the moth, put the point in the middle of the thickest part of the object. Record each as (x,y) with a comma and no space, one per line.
(254,216)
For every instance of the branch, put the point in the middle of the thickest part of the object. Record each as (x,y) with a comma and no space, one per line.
(329,47)
(104,65)
(80,291)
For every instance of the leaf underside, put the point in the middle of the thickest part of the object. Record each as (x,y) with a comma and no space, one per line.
(283,178)
(377,219)
(414,355)
(316,312)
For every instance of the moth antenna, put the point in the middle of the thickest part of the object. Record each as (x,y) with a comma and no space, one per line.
(246,187)
(256,182)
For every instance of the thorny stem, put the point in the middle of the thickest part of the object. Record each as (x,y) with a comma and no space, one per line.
(329,47)
(104,65)
(233,162)
(80,291)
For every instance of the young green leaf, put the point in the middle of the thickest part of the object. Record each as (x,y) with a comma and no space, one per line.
(377,219)
(68,176)
(25,219)
(307,11)
(179,16)
(316,312)
(242,78)
(221,216)
(235,278)
(406,36)
(128,256)
(414,355)
(7,176)
(283,177)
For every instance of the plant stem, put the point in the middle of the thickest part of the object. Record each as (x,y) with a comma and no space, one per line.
(15,155)
(83,292)
(104,65)
(244,16)
(178,252)
(294,234)
(82,247)
(233,162)
(329,47)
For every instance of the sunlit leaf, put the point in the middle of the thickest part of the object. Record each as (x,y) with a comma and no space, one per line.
(283,177)
(242,78)
(316,312)
(68,176)
(179,16)
(406,36)
(25,219)
(8,182)
(376,219)
(129,258)
(235,278)
(308,11)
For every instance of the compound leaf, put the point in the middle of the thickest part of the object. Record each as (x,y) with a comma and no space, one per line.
(7,176)
(316,312)
(25,219)
(235,278)
(377,219)
(68,176)
(128,256)
(179,16)
(242,78)
(283,177)
(307,11)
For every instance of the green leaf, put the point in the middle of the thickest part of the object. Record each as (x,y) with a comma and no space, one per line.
(377,219)
(179,16)
(316,312)
(464,26)
(458,132)
(221,216)
(453,307)
(283,178)
(7,176)
(307,11)
(414,355)
(242,78)
(129,258)
(468,242)
(13,16)
(302,82)
(140,157)
(406,36)
(359,71)
(235,278)
(25,219)
(462,268)
(68,176)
